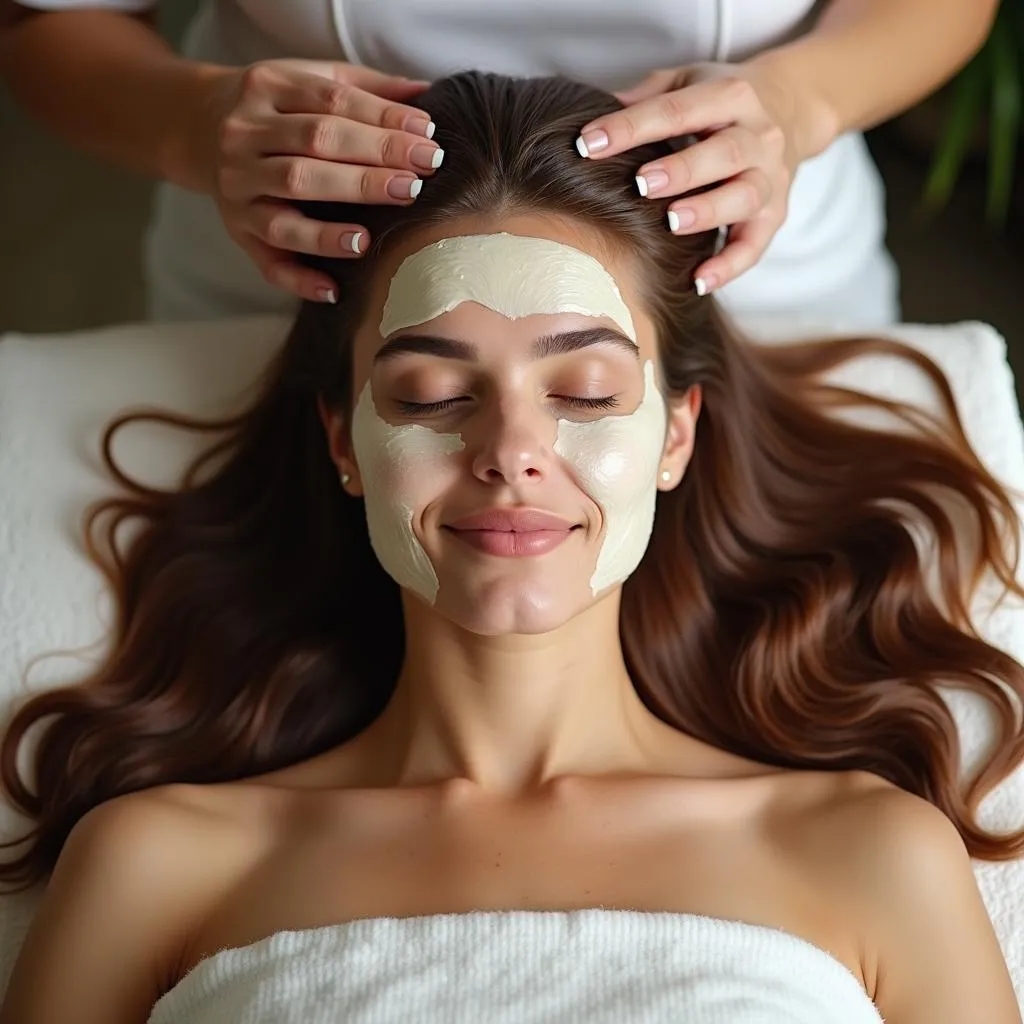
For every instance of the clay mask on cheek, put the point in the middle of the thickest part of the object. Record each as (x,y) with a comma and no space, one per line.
(616,460)
(396,465)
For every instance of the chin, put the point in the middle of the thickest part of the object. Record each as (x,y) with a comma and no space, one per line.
(504,611)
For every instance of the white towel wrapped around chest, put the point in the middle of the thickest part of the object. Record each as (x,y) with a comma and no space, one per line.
(523,967)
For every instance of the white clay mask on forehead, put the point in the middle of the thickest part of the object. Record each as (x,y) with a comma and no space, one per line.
(615,458)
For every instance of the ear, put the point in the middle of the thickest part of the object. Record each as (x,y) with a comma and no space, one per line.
(339,445)
(679,437)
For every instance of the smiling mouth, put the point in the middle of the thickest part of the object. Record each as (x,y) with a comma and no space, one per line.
(513,543)
(513,533)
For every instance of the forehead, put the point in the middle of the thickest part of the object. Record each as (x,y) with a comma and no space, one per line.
(475,323)
(564,285)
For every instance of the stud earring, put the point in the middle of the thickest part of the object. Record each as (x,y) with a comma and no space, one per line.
(666,475)
(345,478)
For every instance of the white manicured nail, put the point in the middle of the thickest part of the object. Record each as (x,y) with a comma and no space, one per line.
(673,220)
(641,184)
(430,130)
(581,147)
(357,241)
(414,187)
(435,160)
(700,286)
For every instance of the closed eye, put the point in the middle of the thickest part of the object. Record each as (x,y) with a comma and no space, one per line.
(426,408)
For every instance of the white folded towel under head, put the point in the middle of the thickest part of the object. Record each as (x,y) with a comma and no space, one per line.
(523,967)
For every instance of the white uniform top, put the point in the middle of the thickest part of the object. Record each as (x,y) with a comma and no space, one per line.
(828,259)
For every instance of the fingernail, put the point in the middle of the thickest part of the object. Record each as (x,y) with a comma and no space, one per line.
(326,295)
(705,284)
(427,157)
(353,241)
(419,126)
(651,182)
(402,187)
(684,217)
(591,142)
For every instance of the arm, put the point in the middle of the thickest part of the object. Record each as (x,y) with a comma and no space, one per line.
(919,44)
(937,959)
(113,917)
(107,83)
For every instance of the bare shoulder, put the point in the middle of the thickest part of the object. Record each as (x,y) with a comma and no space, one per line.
(132,878)
(901,872)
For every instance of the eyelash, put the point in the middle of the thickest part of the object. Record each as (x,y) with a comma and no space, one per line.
(425,408)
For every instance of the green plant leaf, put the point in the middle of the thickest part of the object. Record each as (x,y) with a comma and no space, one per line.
(966,104)
(1004,119)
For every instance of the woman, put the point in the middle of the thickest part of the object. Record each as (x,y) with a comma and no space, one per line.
(779,90)
(552,618)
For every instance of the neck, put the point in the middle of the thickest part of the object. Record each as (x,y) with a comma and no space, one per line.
(508,716)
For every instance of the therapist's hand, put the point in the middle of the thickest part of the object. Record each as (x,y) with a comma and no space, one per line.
(283,130)
(754,130)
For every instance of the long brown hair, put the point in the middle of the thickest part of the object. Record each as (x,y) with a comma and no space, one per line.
(782,610)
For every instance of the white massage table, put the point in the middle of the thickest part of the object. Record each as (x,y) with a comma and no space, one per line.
(56,392)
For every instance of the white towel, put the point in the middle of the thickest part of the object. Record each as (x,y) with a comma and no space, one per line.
(523,967)
(56,392)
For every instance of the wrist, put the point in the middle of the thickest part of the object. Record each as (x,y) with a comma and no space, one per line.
(812,118)
(186,155)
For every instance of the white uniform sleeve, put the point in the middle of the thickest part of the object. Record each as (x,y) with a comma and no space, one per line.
(67,5)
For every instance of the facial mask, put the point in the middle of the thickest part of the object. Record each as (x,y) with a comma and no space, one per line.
(512,274)
(615,458)
(392,460)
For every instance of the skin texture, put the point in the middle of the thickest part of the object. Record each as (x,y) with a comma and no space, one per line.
(512,640)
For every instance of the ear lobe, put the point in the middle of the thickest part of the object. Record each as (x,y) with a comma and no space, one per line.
(679,437)
(336,430)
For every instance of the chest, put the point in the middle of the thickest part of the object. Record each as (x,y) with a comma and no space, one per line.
(687,851)
(607,43)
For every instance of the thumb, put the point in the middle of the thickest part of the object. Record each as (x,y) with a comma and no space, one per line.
(654,84)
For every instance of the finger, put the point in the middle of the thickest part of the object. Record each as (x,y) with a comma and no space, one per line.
(740,199)
(283,227)
(680,112)
(338,139)
(298,177)
(288,275)
(720,156)
(311,94)
(654,84)
(389,87)
(395,87)
(745,246)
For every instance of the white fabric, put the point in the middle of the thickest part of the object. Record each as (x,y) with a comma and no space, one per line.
(523,967)
(829,257)
(56,392)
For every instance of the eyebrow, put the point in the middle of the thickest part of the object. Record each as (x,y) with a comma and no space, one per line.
(544,346)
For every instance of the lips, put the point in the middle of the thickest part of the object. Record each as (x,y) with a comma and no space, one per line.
(512,533)
(511,520)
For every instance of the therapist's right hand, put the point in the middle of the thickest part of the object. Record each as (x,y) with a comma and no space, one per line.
(282,130)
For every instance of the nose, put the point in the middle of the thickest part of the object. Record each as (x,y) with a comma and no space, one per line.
(515,443)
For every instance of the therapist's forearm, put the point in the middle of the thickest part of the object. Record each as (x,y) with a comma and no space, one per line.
(107,83)
(867,60)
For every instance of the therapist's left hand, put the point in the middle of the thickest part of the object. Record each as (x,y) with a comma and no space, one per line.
(754,126)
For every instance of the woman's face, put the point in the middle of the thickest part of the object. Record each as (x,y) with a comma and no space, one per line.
(508,432)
